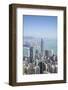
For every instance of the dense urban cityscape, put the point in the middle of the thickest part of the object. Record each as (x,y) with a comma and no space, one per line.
(39,62)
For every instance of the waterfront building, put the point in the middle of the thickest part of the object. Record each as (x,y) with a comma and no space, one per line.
(49,53)
(46,53)
(26,51)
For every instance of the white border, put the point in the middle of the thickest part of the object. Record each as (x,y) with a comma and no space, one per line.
(44,77)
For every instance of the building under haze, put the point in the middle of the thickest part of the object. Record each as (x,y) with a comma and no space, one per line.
(26,51)
(42,46)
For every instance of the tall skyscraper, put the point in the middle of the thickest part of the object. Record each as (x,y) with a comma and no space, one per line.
(31,54)
(46,53)
(42,47)
(26,51)
(36,54)
(49,53)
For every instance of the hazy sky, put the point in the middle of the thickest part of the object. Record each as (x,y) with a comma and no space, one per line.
(40,26)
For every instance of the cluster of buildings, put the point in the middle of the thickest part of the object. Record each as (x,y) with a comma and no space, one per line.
(39,62)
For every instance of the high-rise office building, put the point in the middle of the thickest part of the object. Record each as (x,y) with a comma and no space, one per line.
(51,52)
(42,46)
(48,53)
(36,54)
(26,51)
(31,54)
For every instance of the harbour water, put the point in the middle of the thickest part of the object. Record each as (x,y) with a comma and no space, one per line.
(49,44)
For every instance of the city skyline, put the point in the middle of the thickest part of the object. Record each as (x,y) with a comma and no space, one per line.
(40,45)
(40,26)
(39,62)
